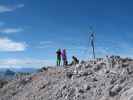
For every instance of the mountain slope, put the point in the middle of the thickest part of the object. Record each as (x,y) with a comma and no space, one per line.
(105,79)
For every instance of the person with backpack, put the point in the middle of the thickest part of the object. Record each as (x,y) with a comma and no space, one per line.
(58,53)
(74,60)
(64,57)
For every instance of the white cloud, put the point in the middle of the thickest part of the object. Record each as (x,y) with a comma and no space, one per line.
(11,30)
(24,63)
(8,45)
(46,44)
(20,6)
(4,8)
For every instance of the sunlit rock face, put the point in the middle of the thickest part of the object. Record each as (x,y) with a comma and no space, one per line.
(102,79)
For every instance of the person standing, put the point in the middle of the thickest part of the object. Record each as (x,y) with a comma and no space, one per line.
(64,57)
(58,53)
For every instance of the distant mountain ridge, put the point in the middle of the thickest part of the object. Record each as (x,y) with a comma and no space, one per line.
(9,73)
(19,69)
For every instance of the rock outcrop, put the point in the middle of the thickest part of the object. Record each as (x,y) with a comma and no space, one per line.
(104,79)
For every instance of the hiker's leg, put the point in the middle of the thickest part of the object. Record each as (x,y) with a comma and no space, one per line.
(63,62)
(57,62)
(66,62)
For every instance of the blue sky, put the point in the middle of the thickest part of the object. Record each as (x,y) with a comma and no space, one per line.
(32,30)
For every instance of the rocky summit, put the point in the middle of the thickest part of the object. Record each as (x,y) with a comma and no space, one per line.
(101,79)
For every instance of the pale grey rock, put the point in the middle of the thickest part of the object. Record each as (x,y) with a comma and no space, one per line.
(102,79)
